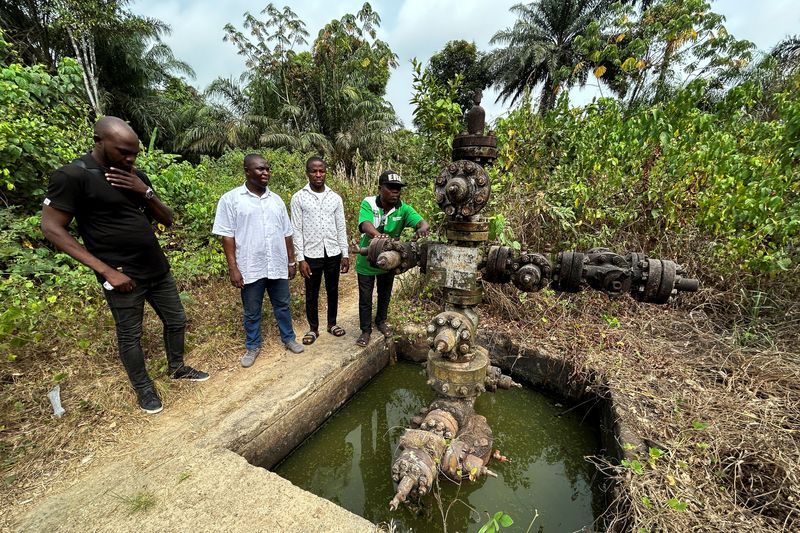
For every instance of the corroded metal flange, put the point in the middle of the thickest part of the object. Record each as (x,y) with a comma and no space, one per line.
(458,380)
(479,148)
(462,189)
(467,231)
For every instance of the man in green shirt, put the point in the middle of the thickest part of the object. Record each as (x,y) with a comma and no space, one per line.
(381,217)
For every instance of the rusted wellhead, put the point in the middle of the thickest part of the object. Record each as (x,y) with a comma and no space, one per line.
(448,437)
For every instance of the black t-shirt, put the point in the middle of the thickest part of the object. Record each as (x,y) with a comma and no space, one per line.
(115,224)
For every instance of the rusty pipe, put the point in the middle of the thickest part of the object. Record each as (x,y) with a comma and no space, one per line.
(388,260)
(457,190)
(445,341)
(405,486)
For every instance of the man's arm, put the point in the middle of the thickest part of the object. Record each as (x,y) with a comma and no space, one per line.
(422,229)
(368,228)
(341,235)
(54,226)
(229,247)
(290,254)
(121,179)
(297,232)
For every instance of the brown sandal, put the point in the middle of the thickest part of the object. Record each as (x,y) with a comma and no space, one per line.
(363,339)
(336,331)
(310,337)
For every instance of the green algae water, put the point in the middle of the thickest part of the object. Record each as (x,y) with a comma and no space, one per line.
(348,460)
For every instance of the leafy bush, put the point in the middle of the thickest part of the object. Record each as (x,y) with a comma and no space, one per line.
(44,125)
(716,176)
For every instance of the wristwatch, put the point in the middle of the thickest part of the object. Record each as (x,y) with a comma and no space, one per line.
(149,193)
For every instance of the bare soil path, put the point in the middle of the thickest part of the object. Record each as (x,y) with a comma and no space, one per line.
(175,471)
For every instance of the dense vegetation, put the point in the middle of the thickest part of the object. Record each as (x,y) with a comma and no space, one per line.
(702,167)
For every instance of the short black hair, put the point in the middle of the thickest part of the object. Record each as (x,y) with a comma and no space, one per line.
(250,157)
(313,159)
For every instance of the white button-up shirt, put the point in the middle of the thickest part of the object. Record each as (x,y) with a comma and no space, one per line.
(259,225)
(319,226)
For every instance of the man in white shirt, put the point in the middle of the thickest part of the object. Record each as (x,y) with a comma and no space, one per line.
(257,239)
(320,245)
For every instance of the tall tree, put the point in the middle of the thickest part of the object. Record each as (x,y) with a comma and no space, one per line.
(124,63)
(787,52)
(82,20)
(29,25)
(460,57)
(644,54)
(329,99)
(540,48)
(134,67)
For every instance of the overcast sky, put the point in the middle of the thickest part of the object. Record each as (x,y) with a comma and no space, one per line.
(413,28)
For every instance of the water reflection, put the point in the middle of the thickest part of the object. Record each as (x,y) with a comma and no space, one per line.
(348,460)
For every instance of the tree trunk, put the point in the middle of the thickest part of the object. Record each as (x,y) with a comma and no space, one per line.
(84,53)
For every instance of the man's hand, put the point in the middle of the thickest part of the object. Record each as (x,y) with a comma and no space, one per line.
(292,271)
(119,281)
(122,179)
(236,278)
(422,230)
(305,270)
(344,266)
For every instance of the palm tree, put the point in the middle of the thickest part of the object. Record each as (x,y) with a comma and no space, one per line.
(787,52)
(329,100)
(540,48)
(134,68)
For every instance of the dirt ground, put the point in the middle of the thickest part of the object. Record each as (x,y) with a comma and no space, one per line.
(714,397)
(172,471)
(717,401)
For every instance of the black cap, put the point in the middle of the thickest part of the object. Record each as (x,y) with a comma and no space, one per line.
(390,177)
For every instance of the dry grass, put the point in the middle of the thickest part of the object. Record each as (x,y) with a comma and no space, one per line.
(39,452)
(710,382)
(714,398)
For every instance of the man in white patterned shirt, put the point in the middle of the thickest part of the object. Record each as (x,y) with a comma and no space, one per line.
(257,239)
(320,245)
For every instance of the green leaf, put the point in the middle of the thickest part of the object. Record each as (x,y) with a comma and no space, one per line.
(676,504)
(506,520)
(634,465)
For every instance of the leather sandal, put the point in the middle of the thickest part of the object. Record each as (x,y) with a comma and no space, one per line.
(336,331)
(363,339)
(310,337)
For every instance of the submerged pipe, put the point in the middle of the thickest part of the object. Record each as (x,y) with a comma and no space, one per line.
(405,486)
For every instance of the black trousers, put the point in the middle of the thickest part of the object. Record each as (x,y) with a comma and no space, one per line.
(127,308)
(329,268)
(365,286)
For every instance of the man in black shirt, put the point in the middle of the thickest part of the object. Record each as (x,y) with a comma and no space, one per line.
(114,204)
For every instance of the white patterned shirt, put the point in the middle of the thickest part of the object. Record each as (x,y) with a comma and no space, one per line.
(319,226)
(259,225)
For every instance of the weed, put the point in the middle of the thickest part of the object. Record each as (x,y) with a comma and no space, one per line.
(496,522)
(141,501)
(612,321)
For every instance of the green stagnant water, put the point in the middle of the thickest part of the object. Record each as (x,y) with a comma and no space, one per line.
(348,460)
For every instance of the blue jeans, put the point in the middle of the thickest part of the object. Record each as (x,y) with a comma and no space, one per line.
(252,300)
(128,311)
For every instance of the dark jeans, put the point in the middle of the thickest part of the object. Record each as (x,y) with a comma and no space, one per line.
(329,268)
(365,286)
(252,300)
(128,311)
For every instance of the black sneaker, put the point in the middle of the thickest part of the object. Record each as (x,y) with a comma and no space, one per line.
(149,401)
(190,374)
